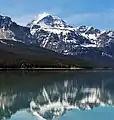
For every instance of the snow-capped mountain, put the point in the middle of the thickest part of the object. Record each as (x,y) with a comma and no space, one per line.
(96,36)
(12,31)
(50,21)
(85,42)
(57,26)
(52,27)
(89,32)
(53,33)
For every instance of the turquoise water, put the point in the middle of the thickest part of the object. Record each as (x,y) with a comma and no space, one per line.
(96,114)
(64,95)
(23,115)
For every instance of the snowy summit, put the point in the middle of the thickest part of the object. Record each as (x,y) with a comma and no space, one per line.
(47,20)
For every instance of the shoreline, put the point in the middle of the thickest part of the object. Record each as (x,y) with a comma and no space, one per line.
(55,69)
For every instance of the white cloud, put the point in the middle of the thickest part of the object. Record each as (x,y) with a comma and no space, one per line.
(41,15)
(103,20)
(25,19)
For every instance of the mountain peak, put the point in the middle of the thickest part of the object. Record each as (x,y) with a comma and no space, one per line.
(52,21)
(48,21)
(46,15)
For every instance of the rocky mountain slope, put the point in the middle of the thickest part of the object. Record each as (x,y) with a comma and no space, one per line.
(10,30)
(52,33)
(16,54)
(85,42)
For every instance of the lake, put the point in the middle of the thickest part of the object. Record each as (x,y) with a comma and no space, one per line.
(81,95)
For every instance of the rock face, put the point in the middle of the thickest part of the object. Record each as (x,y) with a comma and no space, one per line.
(55,34)
(10,30)
(85,42)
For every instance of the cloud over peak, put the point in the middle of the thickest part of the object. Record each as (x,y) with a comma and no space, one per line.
(41,15)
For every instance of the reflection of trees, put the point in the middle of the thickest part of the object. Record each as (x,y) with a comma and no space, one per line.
(6,113)
(6,101)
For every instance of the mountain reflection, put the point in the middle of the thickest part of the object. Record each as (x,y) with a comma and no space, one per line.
(55,93)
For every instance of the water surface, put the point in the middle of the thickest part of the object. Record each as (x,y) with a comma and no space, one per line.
(57,95)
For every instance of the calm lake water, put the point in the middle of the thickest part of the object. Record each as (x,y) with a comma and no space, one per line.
(57,95)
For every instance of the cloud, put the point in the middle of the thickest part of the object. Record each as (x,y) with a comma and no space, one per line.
(102,20)
(25,19)
(41,15)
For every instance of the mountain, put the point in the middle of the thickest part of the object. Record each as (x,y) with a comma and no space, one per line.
(50,21)
(91,46)
(16,54)
(84,42)
(11,30)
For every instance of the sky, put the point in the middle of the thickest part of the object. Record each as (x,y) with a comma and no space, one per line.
(96,13)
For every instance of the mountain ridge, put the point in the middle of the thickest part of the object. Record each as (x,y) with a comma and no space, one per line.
(53,33)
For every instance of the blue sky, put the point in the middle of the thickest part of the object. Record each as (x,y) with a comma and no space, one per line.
(98,13)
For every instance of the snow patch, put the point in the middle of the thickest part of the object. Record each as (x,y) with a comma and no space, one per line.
(3,42)
(56,30)
(88,45)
